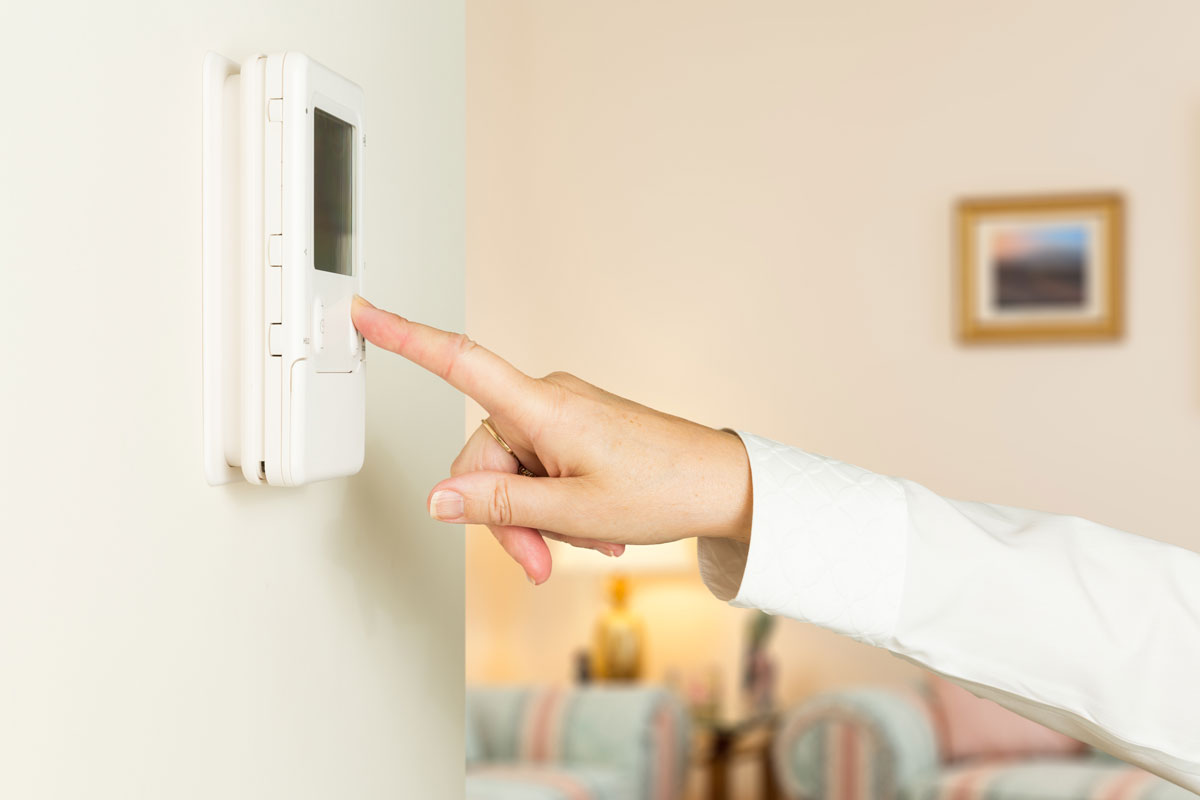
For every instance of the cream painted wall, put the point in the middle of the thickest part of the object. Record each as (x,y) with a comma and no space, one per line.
(158,637)
(740,212)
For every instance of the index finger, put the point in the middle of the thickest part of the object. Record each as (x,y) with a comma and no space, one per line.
(469,367)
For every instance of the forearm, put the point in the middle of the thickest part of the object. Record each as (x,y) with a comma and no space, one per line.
(1089,630)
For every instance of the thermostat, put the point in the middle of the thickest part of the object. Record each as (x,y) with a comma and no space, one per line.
(284,371)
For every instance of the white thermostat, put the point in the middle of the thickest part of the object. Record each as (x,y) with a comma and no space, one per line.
(284,372)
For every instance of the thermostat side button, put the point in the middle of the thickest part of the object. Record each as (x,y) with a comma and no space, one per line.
(275,339)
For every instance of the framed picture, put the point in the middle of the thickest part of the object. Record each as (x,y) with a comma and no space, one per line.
(1041,268)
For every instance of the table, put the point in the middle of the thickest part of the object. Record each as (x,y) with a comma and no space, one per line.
(720,741)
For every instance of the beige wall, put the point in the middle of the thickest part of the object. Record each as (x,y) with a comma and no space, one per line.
(740,212)
(161,638)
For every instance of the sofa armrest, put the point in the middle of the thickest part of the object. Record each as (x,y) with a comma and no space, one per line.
(874,739)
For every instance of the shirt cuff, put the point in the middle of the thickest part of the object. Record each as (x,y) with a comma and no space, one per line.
(722,564)
(828,544)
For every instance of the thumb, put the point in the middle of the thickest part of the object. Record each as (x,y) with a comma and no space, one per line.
(502,498)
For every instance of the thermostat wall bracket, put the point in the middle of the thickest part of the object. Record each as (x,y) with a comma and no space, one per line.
(220,257)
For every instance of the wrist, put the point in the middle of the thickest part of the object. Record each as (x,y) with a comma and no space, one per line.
(738,490)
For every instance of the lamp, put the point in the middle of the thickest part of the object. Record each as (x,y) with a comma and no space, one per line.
(618,644)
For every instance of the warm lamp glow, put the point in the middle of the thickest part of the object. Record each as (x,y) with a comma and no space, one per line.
(666,559)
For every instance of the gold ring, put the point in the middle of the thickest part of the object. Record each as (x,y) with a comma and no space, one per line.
(521,468)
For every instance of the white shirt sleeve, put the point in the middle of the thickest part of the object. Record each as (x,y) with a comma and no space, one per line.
(1086,629)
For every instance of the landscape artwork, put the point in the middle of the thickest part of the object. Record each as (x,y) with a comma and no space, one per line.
(1040,268)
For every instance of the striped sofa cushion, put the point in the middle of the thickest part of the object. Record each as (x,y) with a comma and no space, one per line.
(539,738)
(640,732)
(875,744)
(572,726)
(1054,778)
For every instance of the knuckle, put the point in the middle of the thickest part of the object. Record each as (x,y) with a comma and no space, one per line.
(562,385)
(568,384)
(500,507)
(463,345)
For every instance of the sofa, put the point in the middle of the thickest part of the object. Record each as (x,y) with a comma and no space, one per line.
(938,741)
(592,743)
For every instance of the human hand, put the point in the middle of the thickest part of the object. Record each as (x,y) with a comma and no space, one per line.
(610,472)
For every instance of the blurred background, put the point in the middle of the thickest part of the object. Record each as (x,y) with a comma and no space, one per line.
(742,213)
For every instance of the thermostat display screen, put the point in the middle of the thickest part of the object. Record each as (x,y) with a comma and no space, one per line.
(333,194)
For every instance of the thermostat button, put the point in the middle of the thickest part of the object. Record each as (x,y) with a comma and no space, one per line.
(275,339)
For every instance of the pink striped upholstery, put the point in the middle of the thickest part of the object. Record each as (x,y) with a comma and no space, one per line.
(852,753)
(614,742)
(1067,778)
(665,769)
(541,731)
(853,747)
(874,744)
(542,738)
(970,783)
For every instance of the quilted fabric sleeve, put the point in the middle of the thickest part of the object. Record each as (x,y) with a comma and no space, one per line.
(829,544)
(1086,629)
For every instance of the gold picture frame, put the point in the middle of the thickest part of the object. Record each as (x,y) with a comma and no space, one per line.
(1041,268)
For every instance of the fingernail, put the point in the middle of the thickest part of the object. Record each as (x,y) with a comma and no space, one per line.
(446,505)
(529,578)
(361,302)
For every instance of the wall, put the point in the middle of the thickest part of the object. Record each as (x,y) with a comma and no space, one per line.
(741,213)
(159,637)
